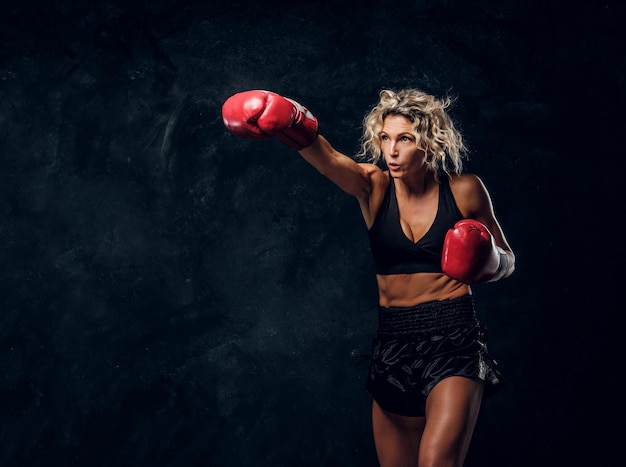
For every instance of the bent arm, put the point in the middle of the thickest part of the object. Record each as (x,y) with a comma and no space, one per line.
(475,202)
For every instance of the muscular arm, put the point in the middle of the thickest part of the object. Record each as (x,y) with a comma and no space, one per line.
(474,201)
(360,180)
(258,114)
(346,173)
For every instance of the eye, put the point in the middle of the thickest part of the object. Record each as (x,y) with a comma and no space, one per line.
(384,137)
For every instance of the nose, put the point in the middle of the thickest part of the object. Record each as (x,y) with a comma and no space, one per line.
(393,150)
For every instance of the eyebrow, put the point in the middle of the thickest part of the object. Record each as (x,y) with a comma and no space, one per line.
(404,133)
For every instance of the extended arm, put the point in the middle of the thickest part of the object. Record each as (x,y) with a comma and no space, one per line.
(260,114)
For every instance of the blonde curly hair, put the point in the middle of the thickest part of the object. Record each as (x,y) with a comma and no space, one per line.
(432,127)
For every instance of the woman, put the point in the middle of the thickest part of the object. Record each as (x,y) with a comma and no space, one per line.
(433,232)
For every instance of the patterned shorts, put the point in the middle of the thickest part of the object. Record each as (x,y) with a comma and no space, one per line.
(417,347)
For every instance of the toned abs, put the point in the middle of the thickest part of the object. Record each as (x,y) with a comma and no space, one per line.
(412,289)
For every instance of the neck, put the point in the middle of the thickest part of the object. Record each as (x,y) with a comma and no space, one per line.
(415,184)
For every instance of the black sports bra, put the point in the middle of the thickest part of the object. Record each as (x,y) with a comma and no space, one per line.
(394,252)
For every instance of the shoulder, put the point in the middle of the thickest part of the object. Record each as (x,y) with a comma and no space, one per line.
(465,182)
(469,192)
(376,177)
(370,168)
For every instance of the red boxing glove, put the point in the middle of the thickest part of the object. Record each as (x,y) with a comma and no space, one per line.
(470,253)
(263,114)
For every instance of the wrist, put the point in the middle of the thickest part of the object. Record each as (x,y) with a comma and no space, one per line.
(303,130)
(503,266)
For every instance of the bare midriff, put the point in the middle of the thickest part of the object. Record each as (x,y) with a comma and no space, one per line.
(412,289)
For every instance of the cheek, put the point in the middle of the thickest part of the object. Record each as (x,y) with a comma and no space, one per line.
(415,154)
(383,145)
(409,149)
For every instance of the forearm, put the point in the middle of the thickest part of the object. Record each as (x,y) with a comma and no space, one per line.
(321,155)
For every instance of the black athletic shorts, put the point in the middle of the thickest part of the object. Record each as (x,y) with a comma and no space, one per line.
(417,347)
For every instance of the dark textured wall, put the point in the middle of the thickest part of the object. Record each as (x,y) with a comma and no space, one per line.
(174,296)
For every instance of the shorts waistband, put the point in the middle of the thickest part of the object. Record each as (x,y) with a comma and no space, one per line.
(426,318)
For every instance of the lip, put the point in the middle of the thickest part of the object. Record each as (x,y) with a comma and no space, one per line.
(393,166)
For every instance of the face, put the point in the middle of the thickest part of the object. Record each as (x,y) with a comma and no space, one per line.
(400,148)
